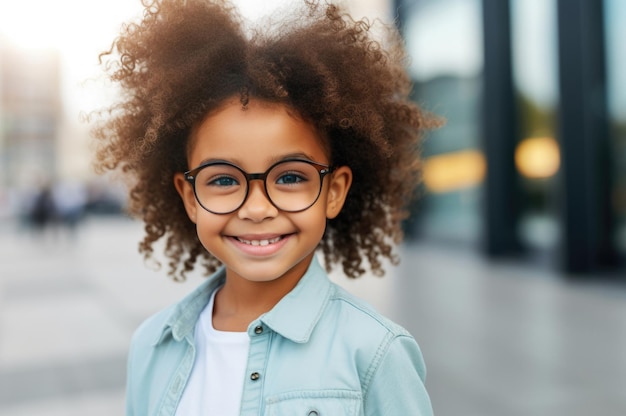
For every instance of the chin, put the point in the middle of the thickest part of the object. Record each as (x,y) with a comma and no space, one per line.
(258,275)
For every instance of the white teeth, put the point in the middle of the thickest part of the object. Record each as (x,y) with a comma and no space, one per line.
(260,242)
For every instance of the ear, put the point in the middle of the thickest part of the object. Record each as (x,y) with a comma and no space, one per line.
(185,190)
(340,181)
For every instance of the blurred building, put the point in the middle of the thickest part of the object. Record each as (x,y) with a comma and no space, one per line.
(532,161)
(30,115)
(30,122)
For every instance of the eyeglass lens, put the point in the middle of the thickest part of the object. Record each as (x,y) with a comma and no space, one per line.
(290,186)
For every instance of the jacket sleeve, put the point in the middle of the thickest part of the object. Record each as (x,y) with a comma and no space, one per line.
(397,385)
(130,411)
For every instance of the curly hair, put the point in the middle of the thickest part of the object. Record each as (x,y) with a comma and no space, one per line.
(185,58)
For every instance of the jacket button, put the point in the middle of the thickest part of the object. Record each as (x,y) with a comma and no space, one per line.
(254,376)
(258,330)
(313,413)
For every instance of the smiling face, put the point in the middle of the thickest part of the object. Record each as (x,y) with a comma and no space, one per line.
(259,242)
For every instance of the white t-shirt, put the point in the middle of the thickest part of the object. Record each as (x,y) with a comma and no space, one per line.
(216,382)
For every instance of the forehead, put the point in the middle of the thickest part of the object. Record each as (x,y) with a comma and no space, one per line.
(254,137)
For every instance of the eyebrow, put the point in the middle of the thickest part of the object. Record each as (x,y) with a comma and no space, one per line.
(297,155)
(273,160)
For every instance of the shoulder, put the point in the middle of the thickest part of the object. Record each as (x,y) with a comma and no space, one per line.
(393,367)
(372,333)
(378,342)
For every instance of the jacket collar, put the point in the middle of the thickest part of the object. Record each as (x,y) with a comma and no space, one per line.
(293,317)
(183,317)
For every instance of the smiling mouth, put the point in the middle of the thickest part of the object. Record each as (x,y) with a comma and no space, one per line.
(260,242)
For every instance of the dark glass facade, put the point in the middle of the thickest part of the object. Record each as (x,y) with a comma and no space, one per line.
(444,40)
(532,160)
(615,31)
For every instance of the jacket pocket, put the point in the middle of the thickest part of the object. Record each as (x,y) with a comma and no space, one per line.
(314,403)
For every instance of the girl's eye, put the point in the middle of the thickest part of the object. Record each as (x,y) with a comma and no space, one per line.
(290,178)
(223,181)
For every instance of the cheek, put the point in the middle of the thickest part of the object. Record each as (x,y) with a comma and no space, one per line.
(313,221)
(208,226)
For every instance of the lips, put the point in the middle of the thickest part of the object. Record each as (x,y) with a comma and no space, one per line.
(260,245)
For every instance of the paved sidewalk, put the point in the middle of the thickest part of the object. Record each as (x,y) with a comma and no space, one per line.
(498,339)
(68,307)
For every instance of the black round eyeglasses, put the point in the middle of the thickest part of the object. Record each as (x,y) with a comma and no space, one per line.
(291,185)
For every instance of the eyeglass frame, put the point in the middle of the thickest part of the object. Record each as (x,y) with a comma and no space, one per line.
(322,169)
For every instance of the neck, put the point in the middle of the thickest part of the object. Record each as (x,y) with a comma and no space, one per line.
(240,301)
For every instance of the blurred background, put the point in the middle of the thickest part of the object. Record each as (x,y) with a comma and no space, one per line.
(513,274)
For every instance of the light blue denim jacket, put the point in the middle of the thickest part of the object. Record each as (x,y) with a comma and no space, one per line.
(318,352)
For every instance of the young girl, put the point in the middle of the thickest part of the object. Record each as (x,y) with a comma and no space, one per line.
(247,151)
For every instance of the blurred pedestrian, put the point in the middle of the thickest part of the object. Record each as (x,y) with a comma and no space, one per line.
(70,199)
(43,212)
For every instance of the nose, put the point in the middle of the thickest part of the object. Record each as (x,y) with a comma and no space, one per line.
(257,206)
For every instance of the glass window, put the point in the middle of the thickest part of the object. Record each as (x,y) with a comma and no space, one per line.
(444,40)
(537,154)
(615,15)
